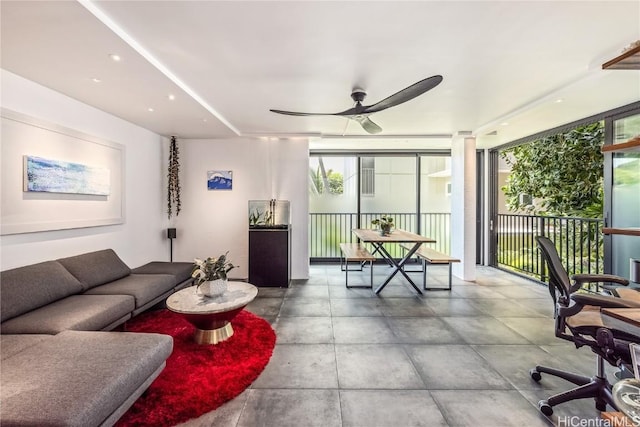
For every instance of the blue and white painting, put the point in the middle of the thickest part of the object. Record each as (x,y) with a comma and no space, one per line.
(55,176)
(219,180)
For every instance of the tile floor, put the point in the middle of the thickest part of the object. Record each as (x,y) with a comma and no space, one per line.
(347,357)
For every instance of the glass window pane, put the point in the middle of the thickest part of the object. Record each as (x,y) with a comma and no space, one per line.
(435,200)
(333,203)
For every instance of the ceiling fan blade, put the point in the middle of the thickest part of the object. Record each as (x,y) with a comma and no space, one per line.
(294,113)
(367,124)
(405,94)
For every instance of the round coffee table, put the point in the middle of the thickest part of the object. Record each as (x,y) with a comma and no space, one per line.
(212,316)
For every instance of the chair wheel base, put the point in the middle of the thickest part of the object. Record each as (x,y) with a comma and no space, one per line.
(535,375)
(545,408)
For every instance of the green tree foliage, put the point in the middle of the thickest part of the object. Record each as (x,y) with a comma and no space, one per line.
(334,180)
(563,174)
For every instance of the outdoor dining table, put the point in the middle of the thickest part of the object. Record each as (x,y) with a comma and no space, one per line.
(396,236)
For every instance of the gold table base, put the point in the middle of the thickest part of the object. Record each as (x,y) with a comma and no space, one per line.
(213,336)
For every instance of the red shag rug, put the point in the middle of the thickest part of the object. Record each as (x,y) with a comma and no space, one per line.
(199,378)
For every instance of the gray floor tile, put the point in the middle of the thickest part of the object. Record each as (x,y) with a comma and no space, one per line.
(515,361)
(300,366)
(501,308)
(362,330)
(405,307)
(271,292)
(476,292)
(484,330)
(305,307)
(448,367)
(423,330)
(265,307)
(340,292)
(307,291)
(542,306)
(291,408)
(538,330)
(304,330)
(449,307)
(385,408)
(355,307)
(380,366)
(314,279)
(488,408)
(580,412)
(520,292)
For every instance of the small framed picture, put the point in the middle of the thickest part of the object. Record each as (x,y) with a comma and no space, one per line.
(219,180)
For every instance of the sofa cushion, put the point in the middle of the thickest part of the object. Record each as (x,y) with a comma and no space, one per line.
(11,345)
(181,271)
(96,268)
(143,287)
(77,312)
(26,288)
(78,378)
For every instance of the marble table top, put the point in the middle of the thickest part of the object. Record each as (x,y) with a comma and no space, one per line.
(190,301)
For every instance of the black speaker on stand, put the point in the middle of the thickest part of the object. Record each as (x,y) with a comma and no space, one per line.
(171,234)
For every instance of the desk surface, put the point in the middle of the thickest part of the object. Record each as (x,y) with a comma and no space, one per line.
(627,315)
(396,236)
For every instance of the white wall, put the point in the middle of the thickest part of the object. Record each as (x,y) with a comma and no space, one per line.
(213,222)
(142,237)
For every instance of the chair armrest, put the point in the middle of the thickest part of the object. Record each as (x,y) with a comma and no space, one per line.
(606,278)
(604,301)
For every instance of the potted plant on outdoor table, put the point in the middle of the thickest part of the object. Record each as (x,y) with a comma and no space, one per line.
(211,275)
(385,223)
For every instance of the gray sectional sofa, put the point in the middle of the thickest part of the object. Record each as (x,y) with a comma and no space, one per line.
(60,365)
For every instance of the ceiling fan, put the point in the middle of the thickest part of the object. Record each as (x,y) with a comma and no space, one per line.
(360,113)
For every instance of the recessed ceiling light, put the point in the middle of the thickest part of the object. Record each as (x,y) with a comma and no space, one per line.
(504,124)
(171,97)
(96,80)
(150,110)
(204,120)
(559,100)
(115,57)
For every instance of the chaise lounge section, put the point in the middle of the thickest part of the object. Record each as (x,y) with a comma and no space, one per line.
(60,365)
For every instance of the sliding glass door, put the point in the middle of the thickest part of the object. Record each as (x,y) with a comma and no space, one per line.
(348,191)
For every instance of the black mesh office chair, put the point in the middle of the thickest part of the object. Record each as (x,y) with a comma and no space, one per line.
(577,319)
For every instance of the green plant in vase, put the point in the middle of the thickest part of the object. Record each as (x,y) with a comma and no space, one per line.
(210,275)
(384,223)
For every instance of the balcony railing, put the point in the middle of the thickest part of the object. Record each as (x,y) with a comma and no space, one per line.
(328,230)
(579,240)
(579,243)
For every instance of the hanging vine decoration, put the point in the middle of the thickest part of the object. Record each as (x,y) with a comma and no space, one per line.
(173,187)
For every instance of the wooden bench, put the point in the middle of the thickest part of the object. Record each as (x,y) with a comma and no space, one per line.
(431,256)
(355,252)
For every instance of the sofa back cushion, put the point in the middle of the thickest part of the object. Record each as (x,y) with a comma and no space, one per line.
(26,288)
(96,268)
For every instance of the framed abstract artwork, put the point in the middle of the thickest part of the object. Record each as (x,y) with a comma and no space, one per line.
(219,180)
(57,178)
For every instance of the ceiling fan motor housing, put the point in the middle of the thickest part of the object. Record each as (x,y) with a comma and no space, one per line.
(358,95)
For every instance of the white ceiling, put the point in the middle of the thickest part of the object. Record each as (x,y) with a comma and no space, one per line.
(228,62)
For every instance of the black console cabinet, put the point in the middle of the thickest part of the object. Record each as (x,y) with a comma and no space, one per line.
(270,257)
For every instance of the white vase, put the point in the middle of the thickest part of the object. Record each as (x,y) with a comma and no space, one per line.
(213,288)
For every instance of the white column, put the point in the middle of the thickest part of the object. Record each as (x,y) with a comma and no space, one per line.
(463,207)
